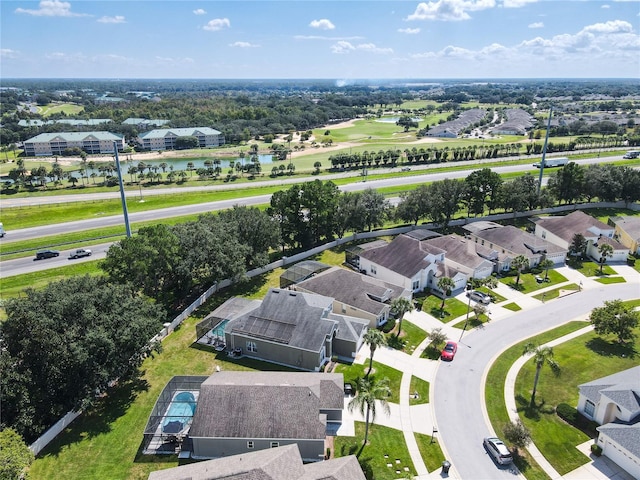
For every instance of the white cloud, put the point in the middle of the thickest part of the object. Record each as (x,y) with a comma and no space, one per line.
(536,25)
(217,24)
(116,19)
(449,10)
(409,31)
(52,8)
(172,60)
(199,11)
(343,47)
(322,24)
(243,45)
(605,6)
(614,26)
(320,37)
(8,53)
(516,3)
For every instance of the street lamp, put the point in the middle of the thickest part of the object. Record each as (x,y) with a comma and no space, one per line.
(469,288)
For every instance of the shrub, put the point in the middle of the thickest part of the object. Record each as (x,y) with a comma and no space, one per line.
(596,450)
(631,260)
(567,413)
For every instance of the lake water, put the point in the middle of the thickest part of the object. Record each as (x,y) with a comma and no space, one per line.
(181,163)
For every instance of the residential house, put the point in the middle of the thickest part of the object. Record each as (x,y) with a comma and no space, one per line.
(49,144)
(407,261)
(280,463)
(465,255)
(145,123)
(242,412)
(510,242)
(165,138)
(614,403)
(627,232)
(354,294)
(560,230)
(293,328)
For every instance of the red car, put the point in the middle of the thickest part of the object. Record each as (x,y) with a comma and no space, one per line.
(449,351)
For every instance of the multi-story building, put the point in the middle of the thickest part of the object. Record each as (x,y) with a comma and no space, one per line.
(48,144)
(165,138)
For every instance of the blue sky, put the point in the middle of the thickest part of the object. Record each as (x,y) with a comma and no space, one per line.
(337,39)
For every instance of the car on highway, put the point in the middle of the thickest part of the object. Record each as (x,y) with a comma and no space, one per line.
(42,254)
(79,253)
(498,450)
(449,351)
(479,297)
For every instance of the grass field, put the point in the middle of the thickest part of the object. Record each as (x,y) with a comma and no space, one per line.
(68,109)
(581,360)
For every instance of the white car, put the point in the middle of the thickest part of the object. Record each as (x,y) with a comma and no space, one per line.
(79,253)
(479,297)
(498,450)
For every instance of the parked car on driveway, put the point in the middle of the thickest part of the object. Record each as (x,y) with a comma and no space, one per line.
(42,254)
(79,253)
(449,351)
(479,297)
(498,450)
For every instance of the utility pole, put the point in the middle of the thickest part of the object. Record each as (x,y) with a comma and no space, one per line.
(123,198)
(544,150)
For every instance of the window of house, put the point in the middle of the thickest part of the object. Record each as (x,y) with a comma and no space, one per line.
(249,444)
(544,234)
(589,408)
(252,347)
(373,269)
(275,444)
(416,285)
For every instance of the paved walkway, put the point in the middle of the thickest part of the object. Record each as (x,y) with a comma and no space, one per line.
(421,418)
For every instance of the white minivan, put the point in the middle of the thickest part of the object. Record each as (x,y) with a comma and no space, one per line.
(2,232)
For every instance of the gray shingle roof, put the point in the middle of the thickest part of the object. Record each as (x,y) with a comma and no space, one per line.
(354,289)
(404,255)
(263,405)
(630,225)
(517,241)
(628,436)
(567,226)
(349,328)
(624,395)
(460,250)
(293,318)
(281,463)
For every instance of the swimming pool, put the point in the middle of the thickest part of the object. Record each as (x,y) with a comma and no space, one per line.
(180,413)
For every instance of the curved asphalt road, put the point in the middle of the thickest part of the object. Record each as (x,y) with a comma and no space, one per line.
(458,408)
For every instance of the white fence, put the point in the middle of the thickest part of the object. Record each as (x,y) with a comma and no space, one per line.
(50,434)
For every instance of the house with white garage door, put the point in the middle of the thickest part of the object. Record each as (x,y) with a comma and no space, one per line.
(614,403)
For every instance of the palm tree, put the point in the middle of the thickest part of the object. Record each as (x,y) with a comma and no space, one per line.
(368,392)
(374,338)
(541,355)
(605,250)
(400,306)
(546,264)
(445,285)
(519,263)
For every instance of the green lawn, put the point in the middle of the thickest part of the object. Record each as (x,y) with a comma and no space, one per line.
(555,293)
(453,308)
(474,321)
(494,391)
(385,445)
(610,280)
(430,451)
(592,269)
(68,109)
(514,307)
(582,359)
(528,282)
(421,387)
(410,337)
(355,371)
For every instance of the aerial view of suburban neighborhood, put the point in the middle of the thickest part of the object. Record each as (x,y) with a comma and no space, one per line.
(319,240)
